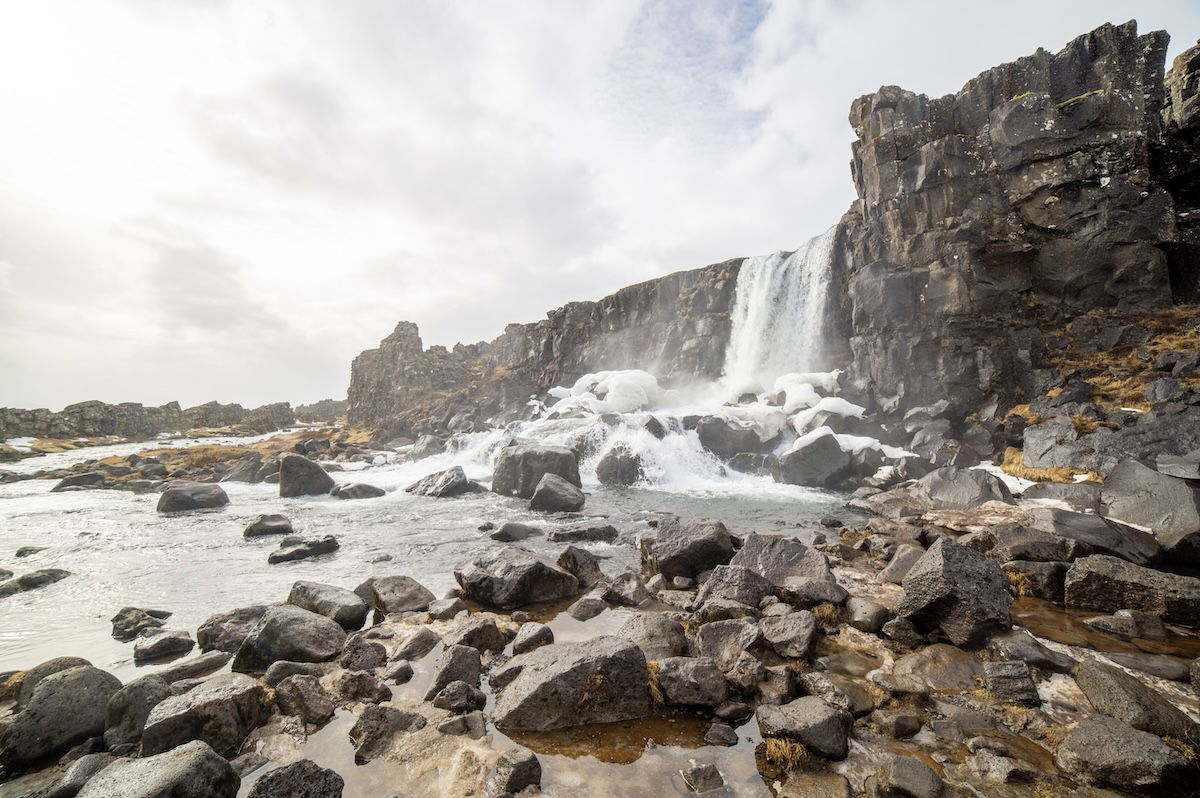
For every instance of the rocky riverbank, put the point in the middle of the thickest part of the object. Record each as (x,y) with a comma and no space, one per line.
(972,643)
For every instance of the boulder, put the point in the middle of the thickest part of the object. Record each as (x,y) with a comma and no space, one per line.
(357,490)
(64,709)
(815,461)
(904,777)
(304,697)
(281,670)
(1010,681)
(791,635)
(658,636)
(291,549)
(777,558)
(937,668)
(1019,644)
(957,590)
(554,494)
(193,770)
(342,606)
(303,779)
(130,622)
(619,467)
(1106,583)
(287,632)
(226,631)
(951,488)
(478,633)
(904,558)
(78,774)
(442,484)
(725,438)
(268,524)
(418,643)
(581,564)
(446,609)
(823,729)
(1117,694)
(299,476)
(395,594)
(735,583)
(456,664)
(1107,751)
(375,728)
(32,581)
(1166,505)
(519,468)
(532,635)
(691,681)
(363,655)
(866,615)
(588,533)
(602,680)
(23,683)
(183,496)
(360,686)
(459,698)
(687,546)
(511,532)
(220,711)
(626,590)
(162,644)
(516,770)
(128,708)
(195,667)
(725,641)
(511,577)
(1130,624)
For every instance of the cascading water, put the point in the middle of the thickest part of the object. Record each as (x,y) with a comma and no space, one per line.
(778,317)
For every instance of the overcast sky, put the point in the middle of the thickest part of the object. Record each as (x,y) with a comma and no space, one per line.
(229,200)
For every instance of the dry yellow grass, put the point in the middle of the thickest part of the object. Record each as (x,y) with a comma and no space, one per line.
(1014,464)
(1024,412)
(1187,749)
(1020,583)
(787,755)
(655,689)
(828,617)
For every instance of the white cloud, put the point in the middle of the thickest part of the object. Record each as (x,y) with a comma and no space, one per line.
(230,200)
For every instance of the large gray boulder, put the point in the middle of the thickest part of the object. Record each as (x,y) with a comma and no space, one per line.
(337,603)
(184,496)
(1106,583)
(129,707)
(520,467)
(226,631)
(268,524)
(821,727)
(687,546)
(303,779)
(65,708)
(395,594)
(32,581)
(220,711)
(1117,694)
(819,463)
(299,476)
(287,632)
(691,681)
(554,494)
(734,583)
(1107,751)
(193,770)
(957,590)
(377,726)
(456,664)
(725,641)
(1166,505)
(602,680)
(442,484)
(777,558)
(511,577)
(658,636)
(620,466)
(29,680)
(1085,533)
(791,635)
(951,488)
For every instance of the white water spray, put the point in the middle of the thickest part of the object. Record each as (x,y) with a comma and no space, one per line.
(778,317)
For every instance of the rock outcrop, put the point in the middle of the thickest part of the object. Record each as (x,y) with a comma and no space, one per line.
(96,419)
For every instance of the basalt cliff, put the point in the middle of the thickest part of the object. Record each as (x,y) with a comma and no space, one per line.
(1056,188)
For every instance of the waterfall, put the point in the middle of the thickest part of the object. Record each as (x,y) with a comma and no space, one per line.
(778,317)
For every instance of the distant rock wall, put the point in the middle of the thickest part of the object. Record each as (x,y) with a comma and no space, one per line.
(676,327)
(96,419)
(988,216)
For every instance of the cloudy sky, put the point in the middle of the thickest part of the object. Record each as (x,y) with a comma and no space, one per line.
(207,199)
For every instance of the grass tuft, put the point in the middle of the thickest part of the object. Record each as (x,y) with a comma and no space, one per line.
(787,755)
(1014,464)
(828,617)
(655,689)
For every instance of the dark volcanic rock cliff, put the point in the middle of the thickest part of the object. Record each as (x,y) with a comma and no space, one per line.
(1013,206)
(676,326)
(96,419)
(1045,189)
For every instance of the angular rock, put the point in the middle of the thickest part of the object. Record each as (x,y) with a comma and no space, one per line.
(32,581)
(65,708)
(357,490)
(520,467)
(620,467)
(902,561)
(477,633)
(1130,624)
(304,697)
(735,583)
(375,728)
(1019,644)
(532,635)
(303,779)
(939,668)
(417,645)
(1010,681)
(688,546)
(818,462)
(78,774)
(1107,751)
(658,636)
(343,606)
(193,770)
(691,681)
(272,524)
(790,635)
(957,590)
(456,664)
(194,667)
(183,496)
(1167,505)
(515,771)
(590,533)
(581,564)
(822,728)
(1100,582)
(554,494)
(511,577)
(1117,694)
(172,643)
(460,698)
(905,777)
(446,609)
(951,488)
(865,615)
(220,711)
(226,631)
(725,641)
(287,632)
(363,655)
(443,484)
(570,684)
(511,532)
(395,594)
(129,622)
(778,558)
(626,590)
(283,669)
(296,549)
(299,476)
(128,708)
(351,686)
